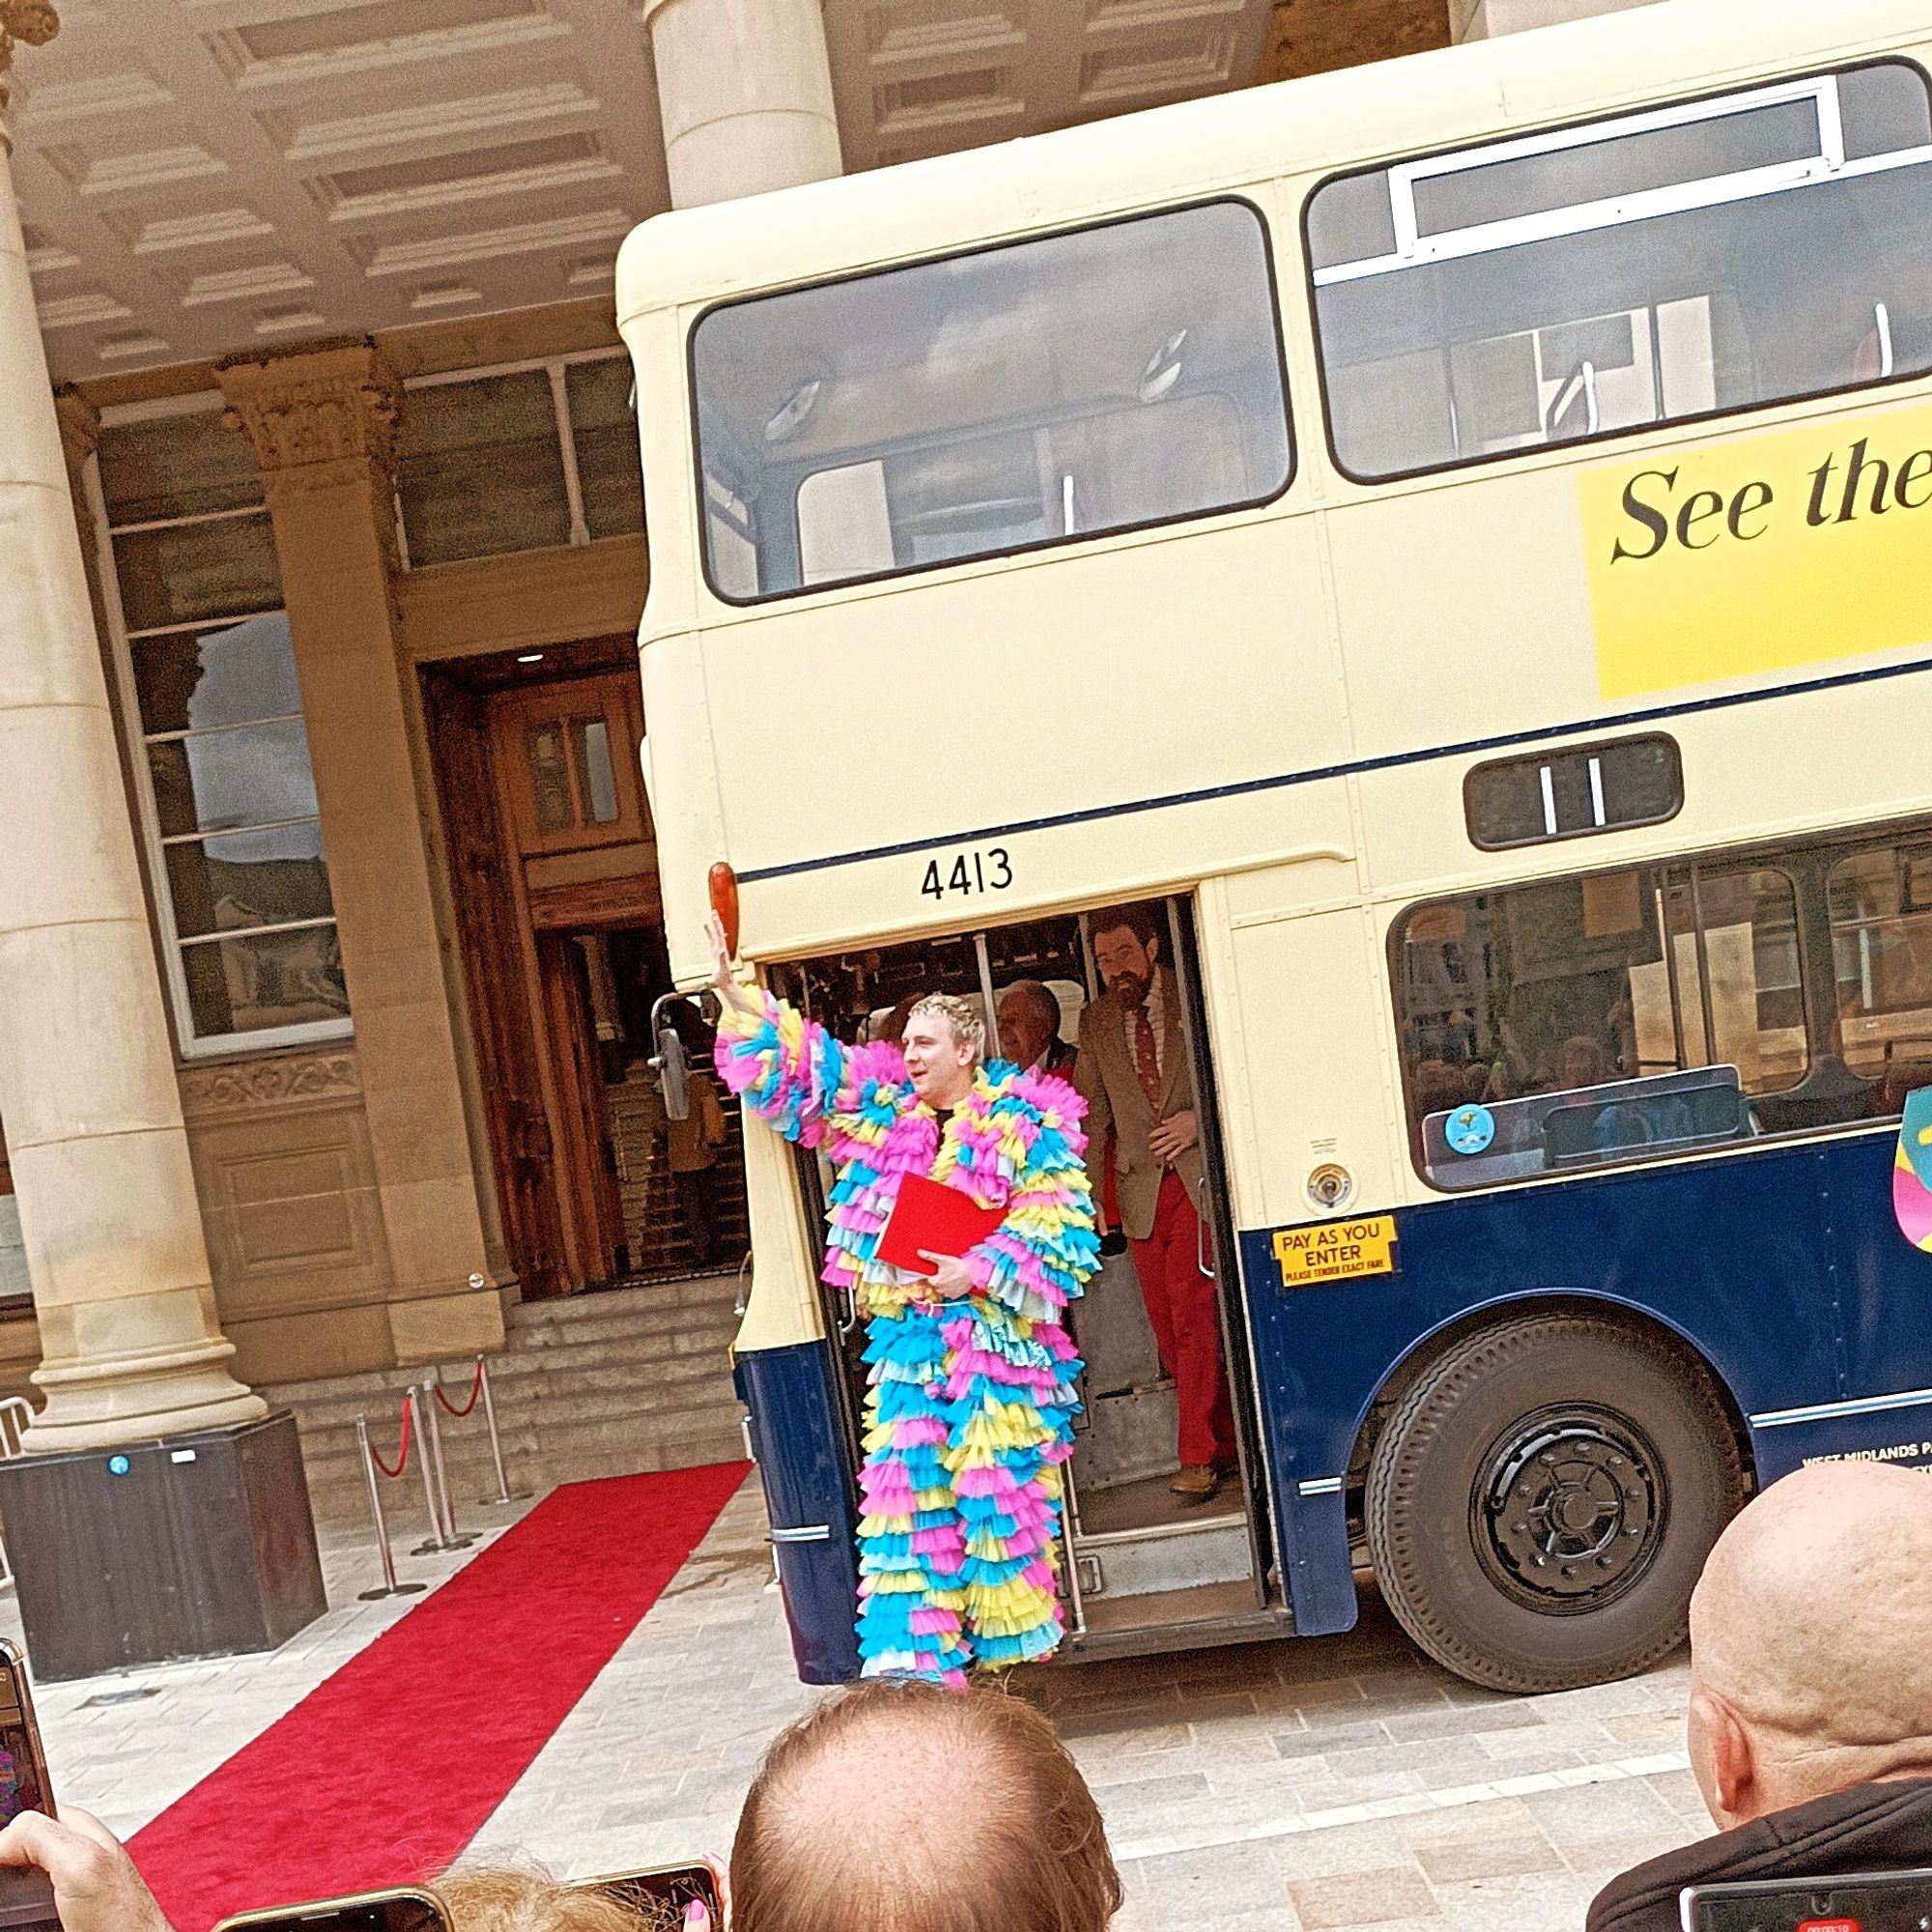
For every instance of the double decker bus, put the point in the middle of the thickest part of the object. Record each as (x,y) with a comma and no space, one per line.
(1456,537)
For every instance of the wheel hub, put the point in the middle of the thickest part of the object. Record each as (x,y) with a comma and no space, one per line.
(1569,1511)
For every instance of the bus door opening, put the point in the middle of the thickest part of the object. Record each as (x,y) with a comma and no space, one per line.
(1139,1562)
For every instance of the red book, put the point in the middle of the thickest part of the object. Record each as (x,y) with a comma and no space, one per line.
(938,1219)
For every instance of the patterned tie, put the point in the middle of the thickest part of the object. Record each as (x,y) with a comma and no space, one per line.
(1146,1061)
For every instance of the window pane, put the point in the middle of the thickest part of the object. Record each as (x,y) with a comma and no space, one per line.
(218,677)
(191,571)
(609,475)
(248,878)
(1882,956)
(1571,794)
(267,980)
(550,777)
(480,470)
(1812,288)
(1081,382)
(591,742)
(219,779)
(175,466)
(1759,137)
(1585,1020)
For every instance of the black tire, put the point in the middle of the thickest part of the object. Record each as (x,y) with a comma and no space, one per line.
(1542,1500)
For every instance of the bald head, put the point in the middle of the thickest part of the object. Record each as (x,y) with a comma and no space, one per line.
(1812,1640)
(904,1807)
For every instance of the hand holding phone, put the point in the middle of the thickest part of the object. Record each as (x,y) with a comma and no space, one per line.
(26,1893)
(666,1888)
(93,1886)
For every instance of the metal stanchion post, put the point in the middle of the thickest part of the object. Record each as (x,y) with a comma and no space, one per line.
(502,1494)
(433,1541)
(390,1587)
(430,1398)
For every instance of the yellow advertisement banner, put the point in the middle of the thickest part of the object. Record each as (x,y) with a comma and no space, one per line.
(1750,556)
(1336,1250)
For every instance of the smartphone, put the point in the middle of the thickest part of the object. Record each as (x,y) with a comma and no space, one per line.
(674,1887)
(402,1908)
(1895,1902)
(26,1897)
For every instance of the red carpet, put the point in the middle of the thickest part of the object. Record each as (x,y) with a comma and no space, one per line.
(385,1772)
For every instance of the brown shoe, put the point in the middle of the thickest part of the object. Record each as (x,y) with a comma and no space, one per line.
(1196,1482)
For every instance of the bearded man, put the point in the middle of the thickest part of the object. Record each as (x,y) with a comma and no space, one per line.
(972,1399)
(1132,1070)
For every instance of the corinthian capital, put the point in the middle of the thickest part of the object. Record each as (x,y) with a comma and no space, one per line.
(328,408)
(29,23)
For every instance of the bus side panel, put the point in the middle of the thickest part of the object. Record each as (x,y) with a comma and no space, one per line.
(801,1455)
(1730,1254)
(1314,1091)
(1884,1281)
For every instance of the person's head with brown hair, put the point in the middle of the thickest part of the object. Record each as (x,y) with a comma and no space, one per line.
(901,1806)
(504,1900)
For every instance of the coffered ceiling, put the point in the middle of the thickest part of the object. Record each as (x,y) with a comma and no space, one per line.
(207,177)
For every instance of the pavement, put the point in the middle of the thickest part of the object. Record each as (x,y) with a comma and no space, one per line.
(1311,1783)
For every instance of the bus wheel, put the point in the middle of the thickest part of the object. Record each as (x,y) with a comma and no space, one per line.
(1541,1502)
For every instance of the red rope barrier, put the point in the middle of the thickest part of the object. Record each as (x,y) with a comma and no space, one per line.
(402,1448)
(475,1390)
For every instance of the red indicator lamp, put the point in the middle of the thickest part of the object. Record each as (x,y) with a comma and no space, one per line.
(724,903)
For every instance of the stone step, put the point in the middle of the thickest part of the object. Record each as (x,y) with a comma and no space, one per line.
(612,1383)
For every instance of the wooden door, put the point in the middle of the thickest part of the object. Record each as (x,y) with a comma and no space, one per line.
(591,1202)
(491,932)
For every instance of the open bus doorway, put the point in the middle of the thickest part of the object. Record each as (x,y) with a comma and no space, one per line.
(1141,1566)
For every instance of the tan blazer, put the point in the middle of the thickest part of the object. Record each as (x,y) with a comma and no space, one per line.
(1106,1075)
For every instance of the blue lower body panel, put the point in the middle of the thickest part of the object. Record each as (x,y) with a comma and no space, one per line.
(794,1406)
(1779,1265)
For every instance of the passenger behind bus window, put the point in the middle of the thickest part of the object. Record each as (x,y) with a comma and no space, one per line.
(1132,1068)
(1580,1062)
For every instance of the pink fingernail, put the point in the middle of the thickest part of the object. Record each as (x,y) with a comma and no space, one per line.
(694,1913)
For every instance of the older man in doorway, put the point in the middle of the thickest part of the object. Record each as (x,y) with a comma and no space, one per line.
(1029,1029)
(1132,1068)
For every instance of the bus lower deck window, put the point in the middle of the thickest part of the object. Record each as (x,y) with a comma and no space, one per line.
(1682,262)
(1104,378)
(1594,1019)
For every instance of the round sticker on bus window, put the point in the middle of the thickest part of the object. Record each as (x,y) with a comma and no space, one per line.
(1470,1129)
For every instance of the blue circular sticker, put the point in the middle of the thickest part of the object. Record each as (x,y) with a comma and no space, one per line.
(119,1466)
(1470,1129)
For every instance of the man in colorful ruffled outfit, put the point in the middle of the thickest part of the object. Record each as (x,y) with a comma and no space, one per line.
(972,1403)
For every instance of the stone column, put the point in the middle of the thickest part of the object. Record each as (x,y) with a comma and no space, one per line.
(745,90)
(1489,19)
(322,429)
(130,1347)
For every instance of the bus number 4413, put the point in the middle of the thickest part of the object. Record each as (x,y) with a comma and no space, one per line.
(987,871)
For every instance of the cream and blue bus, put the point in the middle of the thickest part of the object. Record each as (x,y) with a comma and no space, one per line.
(1454,537)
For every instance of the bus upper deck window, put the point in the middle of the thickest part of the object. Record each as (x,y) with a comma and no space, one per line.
(1686,261)
(1077,384)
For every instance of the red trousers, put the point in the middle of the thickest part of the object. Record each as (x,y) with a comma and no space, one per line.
(1186,1324)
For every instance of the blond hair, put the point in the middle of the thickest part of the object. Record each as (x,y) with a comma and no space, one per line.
(962,1015)
(500,1899)
(856,1819)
